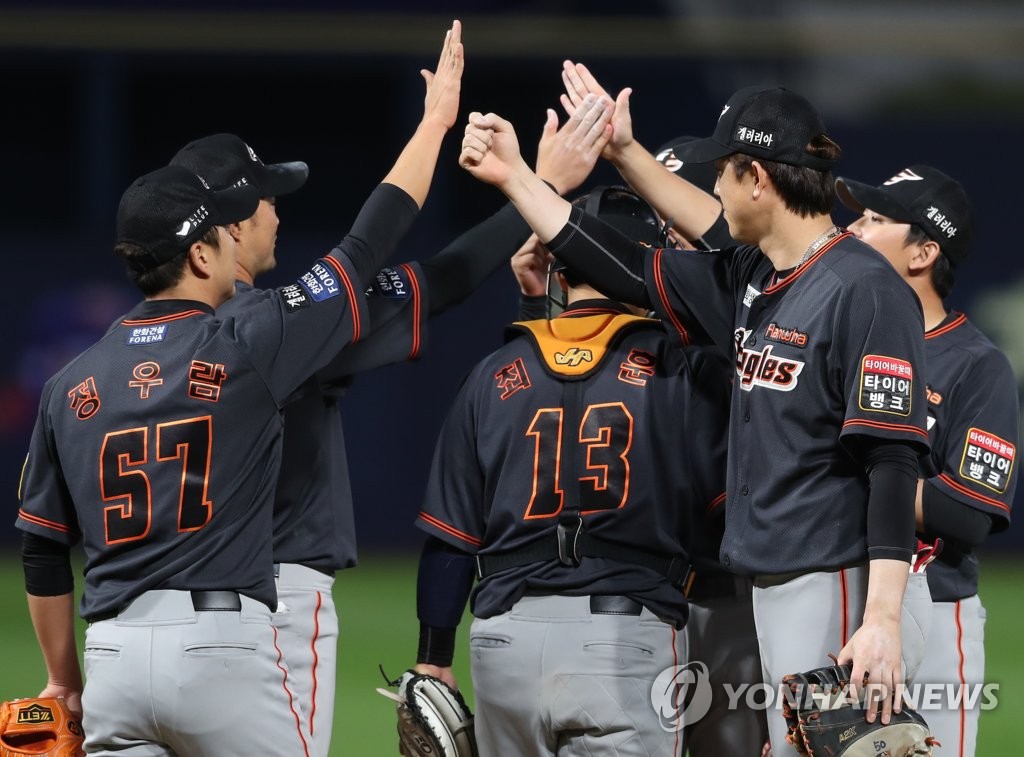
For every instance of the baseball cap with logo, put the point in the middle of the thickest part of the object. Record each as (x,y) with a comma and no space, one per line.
(701,175)
(225,160)
(168,209)
(773,123)
(920,195)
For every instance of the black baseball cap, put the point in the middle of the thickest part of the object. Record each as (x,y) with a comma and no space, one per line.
(921,195)
(701,175)
(769,122)
(167,210)
(225,159)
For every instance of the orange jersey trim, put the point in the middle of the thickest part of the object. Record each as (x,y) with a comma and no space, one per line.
(890,426)
(659,282)
(352,302)
(844,618)
(960,674)
(316,659)
(450,529)
(714,503)
(955,323)
(415,351)
(44,522)
(953,483)
(162,319)
(802,269)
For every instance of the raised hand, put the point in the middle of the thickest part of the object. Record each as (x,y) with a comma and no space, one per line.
(490,149)
(444,85)
(566,155)
(579,83)
(530,266)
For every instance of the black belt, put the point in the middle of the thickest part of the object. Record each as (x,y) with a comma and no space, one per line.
(614,604)
(202,601)
(571,545)
(702,586)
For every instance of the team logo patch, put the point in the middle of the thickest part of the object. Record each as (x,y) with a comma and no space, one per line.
(320,283)
(637,367)
(294,297)
(512,378)
(886,384)
(35,713)
(764,368)
(390,282)
(85,399)
(668,159)
(777,333)
(147,334)
(987,460)
(574,356)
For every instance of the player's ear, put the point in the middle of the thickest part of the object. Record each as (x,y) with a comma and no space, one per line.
(235,230)
(924,256)
(760,177)
(200,257)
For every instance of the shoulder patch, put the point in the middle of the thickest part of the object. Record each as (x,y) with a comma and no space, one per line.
(390,282)
(294,297)
(320,283)
(146,334)
(886,384)
(987,460)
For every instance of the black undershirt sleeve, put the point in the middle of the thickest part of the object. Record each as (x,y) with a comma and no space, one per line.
(533,307)
(382,221)
(958,525)
(47,566)
(717,236)
(612,263)
(443,584)
(460,268)
(892,469)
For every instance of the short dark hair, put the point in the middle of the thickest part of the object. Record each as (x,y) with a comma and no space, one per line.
(152,281)
(942,270)
(805,191)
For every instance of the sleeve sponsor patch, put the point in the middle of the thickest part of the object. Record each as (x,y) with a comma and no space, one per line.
(321,282)
(987,460)
(294,297)
(886,384)
(390,282)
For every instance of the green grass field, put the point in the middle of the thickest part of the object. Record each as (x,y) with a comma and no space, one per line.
(378,626)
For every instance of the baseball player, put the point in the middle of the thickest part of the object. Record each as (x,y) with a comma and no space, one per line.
(720,632)
(314,530)
(563,468)
(921,221)
(158,448)
(827,420)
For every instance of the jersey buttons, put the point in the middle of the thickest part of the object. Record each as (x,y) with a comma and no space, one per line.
(745,491)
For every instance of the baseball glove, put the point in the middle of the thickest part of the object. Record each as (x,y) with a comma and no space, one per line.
(40,726)
(823,721)
(433,718)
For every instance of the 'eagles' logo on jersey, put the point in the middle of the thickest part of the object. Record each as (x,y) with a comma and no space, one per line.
(573,356)
(764,368)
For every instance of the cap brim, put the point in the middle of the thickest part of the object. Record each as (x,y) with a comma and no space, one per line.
(858,196)
(702,150)
(235,204)
(285,178)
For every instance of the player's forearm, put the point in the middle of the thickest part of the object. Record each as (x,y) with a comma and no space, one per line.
(461,267)
(54,622)
(536,201)
(691,210)
(383,220)
(887,580)
(413,172)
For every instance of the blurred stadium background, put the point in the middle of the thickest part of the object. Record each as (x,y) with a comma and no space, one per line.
(96,93)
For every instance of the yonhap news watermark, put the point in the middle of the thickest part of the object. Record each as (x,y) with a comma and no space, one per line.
(684,694)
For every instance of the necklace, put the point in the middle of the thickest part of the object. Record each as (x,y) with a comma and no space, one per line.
(830,233)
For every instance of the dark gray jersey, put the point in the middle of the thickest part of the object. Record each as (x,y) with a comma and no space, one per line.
(314,523)
(159,446)
(831,352)
(973,427)
(647,441)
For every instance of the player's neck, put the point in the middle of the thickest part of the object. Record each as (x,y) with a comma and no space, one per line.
(934,310)
(790,238)
(192,288)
